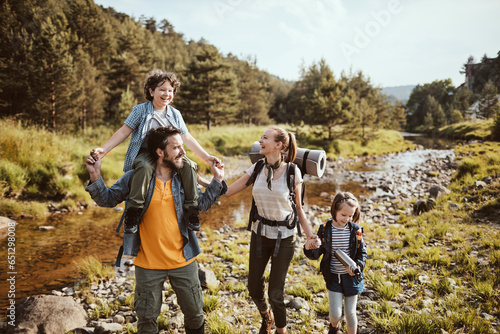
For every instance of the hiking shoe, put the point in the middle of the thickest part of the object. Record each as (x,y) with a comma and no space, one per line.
(193,221)
(334,330)
(132,220)
(267,322)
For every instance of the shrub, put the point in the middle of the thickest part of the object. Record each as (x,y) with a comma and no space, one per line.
(13,175)
(467,167)
(92,270)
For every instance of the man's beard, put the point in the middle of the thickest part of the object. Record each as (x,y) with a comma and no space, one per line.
(172,165)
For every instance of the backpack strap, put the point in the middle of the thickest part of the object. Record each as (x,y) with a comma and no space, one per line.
(291,188)
(253,211)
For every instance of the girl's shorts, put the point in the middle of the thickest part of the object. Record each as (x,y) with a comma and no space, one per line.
(346,284)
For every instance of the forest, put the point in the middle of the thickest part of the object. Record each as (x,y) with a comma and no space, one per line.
(68,66)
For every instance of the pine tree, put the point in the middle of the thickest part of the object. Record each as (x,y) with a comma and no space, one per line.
(16,65)
(488,101)
(123,108)
(54,74)
(210,92)
(442,92)
(327,104)
(254,96)
(366,118)
(397,116)
(93,96)
(495,131)
(432,108)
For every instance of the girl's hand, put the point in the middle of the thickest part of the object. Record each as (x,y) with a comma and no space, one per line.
(312,242)
(350,270)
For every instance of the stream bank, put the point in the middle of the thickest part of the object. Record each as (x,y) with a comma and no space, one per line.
(385,195)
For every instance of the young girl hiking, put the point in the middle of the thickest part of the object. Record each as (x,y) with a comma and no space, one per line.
(160,89)
(273,222)
(344,283)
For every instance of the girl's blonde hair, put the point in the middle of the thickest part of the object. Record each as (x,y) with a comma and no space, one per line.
(289,147)
(349,199)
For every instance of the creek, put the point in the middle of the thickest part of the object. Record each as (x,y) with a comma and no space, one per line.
(45,259)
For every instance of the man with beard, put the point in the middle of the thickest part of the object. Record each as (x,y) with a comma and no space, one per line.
(167,247)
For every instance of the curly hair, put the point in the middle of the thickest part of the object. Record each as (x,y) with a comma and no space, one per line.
(157,78)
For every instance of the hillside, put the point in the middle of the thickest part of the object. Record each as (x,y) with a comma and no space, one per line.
(398,93)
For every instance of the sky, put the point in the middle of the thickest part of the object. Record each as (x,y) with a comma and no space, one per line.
(393,42)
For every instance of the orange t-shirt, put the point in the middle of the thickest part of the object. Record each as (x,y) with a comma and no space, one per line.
(161,240)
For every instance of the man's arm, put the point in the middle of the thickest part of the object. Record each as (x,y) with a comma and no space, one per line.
(102,195)
(214,190)
(94,167)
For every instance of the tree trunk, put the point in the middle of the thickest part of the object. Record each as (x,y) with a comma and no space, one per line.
(208,121)
(84,115)
(52,111)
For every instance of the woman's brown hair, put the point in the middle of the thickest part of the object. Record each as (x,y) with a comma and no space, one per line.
(289,147)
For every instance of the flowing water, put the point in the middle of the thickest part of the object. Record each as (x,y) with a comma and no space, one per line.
(45,260)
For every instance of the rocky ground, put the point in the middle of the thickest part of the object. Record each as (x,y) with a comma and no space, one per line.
(392,192)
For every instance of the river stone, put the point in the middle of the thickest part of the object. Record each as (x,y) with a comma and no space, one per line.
(105,328)
(207,278)
(176,321)
(437,191)
(4,226)
(488,179)
(48,314)
(480,184)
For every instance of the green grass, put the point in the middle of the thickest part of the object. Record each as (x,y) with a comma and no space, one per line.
(299,290)
(92,270)
(210,303)
(218,325)
(477,129)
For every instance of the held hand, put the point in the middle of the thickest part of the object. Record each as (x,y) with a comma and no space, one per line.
(218,171)
(97,153)
(211,160)
(313,242)
(94,167)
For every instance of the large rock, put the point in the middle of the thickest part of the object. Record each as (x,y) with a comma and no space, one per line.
(437,191)
(48,314)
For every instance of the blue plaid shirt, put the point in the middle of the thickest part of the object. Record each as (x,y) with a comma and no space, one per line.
(138,121)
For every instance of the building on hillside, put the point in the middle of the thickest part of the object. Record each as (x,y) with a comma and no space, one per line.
(471,72)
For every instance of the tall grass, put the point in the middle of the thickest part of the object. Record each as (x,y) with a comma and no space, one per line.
(92,270)
(36,164)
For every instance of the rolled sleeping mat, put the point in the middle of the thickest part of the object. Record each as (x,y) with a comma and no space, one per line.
(312,162)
